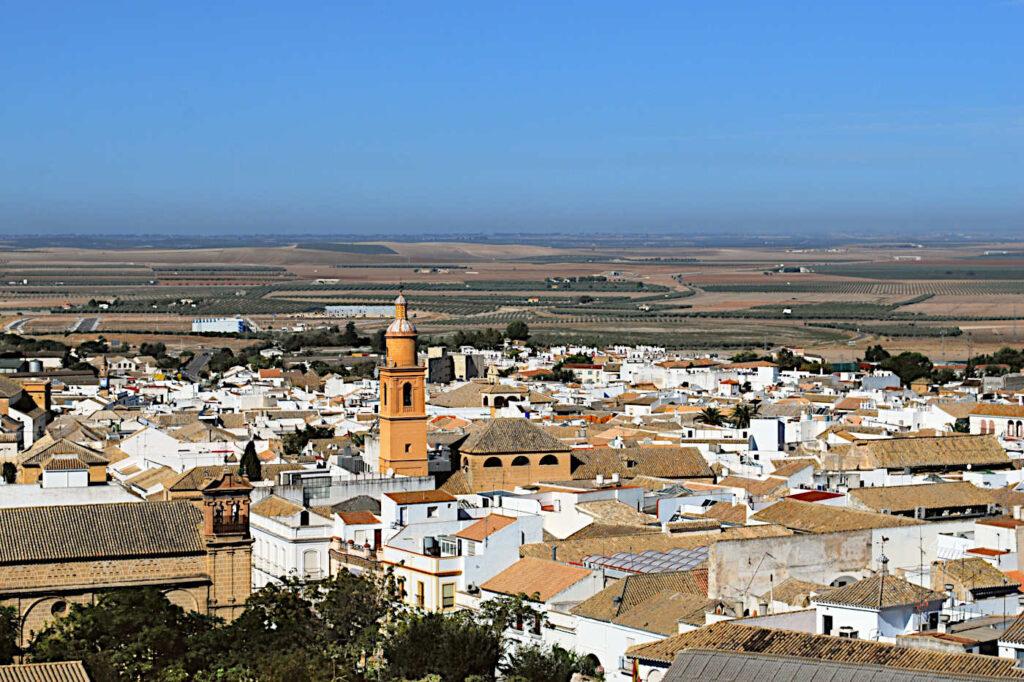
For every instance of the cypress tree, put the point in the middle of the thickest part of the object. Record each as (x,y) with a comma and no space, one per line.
(250,465)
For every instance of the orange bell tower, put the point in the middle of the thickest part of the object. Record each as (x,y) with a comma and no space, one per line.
(403,409)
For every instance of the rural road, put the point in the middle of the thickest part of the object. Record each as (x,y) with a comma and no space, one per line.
(196,364)
(15,327)
(86,324)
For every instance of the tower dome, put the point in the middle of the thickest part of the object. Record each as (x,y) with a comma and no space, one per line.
(401,326)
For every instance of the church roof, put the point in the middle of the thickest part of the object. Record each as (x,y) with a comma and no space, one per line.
(508,435)
(879,592)
(99,531)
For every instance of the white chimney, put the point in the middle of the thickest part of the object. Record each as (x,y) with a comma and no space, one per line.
(615,479)
(599,479)
(1017,511)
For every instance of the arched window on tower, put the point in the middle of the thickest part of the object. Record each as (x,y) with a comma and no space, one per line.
(385,387)
(407,395)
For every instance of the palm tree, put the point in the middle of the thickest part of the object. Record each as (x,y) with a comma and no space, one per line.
(711,416)
(743,413)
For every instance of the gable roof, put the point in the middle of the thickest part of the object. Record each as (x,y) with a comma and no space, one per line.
(508,435)
(657,461)
(906,498)
(485,527)
(880,591)
(99,531)
(732,636)
(648,601)
(61,447)
(274,506)
(63,671)
(728,666)
(931,452)
(531,576)
(810,517)
(420,497)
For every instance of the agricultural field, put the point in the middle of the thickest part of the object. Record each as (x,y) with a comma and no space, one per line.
(682,294)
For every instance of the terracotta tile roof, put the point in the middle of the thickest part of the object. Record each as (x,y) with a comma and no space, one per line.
(65,463)
(809,517)
(795,592)
(793,465)
(358,518)
(470,395)
(999,410)
(420,497)
(615,512)
(728,636)
(932,452)
(531,576)
(274,506)
(485,527)
(508,435)
(150,478)
(975,573)
(726,512)
(645,601)
(1014,633)
(573,550)
(656,461)
(906,498)
(65,447)
(722,666)
(456,484)
(64,671)
(752,485)
(880,591)
(99,531)
(192,479)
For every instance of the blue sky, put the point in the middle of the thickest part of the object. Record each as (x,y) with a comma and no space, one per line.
(394,117)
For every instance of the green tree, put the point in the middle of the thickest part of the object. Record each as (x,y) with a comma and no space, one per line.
(743,413)
(9,472)
(10,628)
(962,425)
(134,634)
(517,330)
(876,354)
(532,663)
(908,366)
(459,647)
(250,466)
(711,416)
(786,360)
(745,356)
(294,442)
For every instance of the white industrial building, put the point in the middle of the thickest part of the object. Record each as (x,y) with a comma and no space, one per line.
(230,325)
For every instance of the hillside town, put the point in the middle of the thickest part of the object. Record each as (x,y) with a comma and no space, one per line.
(659,514)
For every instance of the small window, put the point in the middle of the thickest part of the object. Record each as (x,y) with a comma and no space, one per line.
(432,512)
(521,461)
(448,596)
(408,446)
(420,594)
(59,608)
(548,460)
(492,462)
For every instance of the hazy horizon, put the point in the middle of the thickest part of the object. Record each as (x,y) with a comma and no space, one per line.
(462,118)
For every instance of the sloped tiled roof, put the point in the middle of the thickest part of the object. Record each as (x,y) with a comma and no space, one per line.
(998,410)
(880,591)
(63,671)
(929,495)
(975,573)
(931,452)
(274,506)
(99,531)
(531,576)
(615,512)
(643,593)
(795,592)
(726,512)
(574,550)
(508,435)
(358,518)
(485,527)
(63,446)
(810,517)
(730,636)
(657,461)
